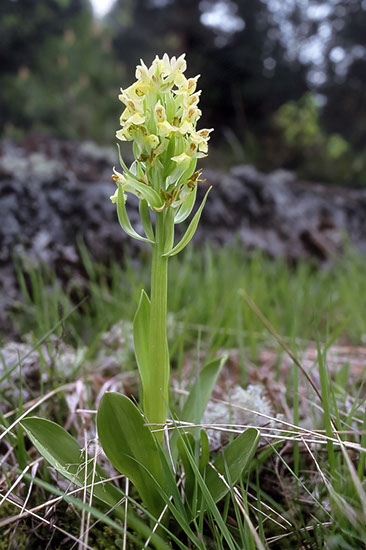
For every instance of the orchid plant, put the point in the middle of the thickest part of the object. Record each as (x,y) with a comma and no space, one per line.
(160,118)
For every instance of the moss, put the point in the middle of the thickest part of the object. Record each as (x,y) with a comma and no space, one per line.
(29,534)
(105,538)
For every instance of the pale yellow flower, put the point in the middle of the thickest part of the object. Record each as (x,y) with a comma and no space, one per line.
(181,158)
(166,129)
(159,112)
(114,197)
(186,127)
(160,116)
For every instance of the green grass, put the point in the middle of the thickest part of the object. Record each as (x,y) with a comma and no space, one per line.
(301,301)
(306,486)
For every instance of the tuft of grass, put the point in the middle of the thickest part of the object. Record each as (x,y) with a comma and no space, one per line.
(300,300)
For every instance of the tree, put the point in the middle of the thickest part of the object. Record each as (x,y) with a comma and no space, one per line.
(58,73)
(345,86)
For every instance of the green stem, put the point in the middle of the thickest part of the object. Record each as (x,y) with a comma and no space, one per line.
(156,396)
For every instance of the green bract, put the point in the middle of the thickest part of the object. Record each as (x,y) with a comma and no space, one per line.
(161,115)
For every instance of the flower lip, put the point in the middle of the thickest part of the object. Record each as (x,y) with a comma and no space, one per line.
(159,112)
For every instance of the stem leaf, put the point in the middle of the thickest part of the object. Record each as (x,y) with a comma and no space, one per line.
(190,230)
(124,219)
(141,338)
(146,220)
(64,453)
(131,447)
(186,208)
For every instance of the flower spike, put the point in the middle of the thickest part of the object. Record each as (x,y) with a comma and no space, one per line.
(160,117)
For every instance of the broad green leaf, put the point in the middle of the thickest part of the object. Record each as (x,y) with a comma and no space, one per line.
(141,338)
(198,397)
(232,463)
(185,209)
(190,230)
(131,447)
(124,219)
(64,453)
(200,393)
(146,220)
(148,193)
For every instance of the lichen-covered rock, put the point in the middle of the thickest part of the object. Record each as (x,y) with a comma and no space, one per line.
(54,194)
(236,411)
(25,368)
(283,216)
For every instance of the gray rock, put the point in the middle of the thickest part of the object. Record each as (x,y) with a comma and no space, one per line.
(24,368)
(54,193)
(283,216)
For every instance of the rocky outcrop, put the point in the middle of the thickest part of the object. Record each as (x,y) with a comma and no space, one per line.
(53,196)
(53,193)
(284,216)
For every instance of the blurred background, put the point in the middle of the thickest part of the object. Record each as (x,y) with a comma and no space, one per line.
(284,81)
(283,85)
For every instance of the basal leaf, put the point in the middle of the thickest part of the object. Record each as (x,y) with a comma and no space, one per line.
(131,447)
(201,390)
(198,397)
(64,453)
